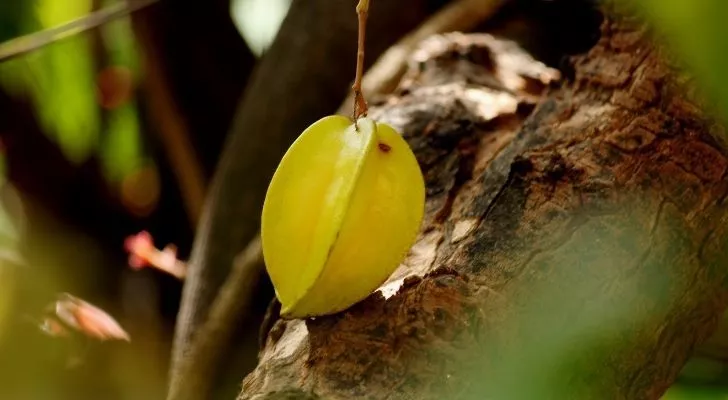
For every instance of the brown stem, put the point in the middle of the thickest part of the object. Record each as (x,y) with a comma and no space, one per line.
(385,74)
(360,104)
(172,127)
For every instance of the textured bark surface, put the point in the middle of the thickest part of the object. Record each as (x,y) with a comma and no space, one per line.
(572,242)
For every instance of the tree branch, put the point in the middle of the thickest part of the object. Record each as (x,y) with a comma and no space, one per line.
(197,371)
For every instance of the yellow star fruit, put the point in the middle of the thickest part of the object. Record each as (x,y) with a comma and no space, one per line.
(341,212)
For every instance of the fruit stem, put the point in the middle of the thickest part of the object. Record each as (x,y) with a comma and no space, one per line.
(360,104)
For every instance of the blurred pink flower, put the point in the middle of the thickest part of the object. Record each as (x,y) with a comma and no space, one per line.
(71,312)
(142,253)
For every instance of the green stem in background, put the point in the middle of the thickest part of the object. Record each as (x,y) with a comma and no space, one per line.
(360,105)
(33,41)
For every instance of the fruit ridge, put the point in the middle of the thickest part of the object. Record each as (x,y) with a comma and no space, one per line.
(342,210)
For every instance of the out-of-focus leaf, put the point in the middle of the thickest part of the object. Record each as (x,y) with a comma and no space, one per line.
(12,220)
(9,234)
(683,391)
(69,102)
(121,47)
(695,31)
(59,80)
(701,370)
(7,289)
(55,12)
(87,319)
(121,151)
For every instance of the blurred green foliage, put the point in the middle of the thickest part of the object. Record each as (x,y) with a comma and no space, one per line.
(61,81)
(9,253)
(88,113)
(122,150)
(695,32)
(682,391)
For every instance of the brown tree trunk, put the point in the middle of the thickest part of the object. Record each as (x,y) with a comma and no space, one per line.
(572,245)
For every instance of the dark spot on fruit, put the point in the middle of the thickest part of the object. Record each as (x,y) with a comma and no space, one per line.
(384,147)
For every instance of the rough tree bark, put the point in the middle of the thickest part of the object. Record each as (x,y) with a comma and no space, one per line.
(572,245)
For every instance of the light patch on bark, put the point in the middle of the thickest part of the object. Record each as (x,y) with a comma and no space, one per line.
(462,229)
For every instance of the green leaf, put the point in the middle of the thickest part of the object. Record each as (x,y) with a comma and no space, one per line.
(695,32)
